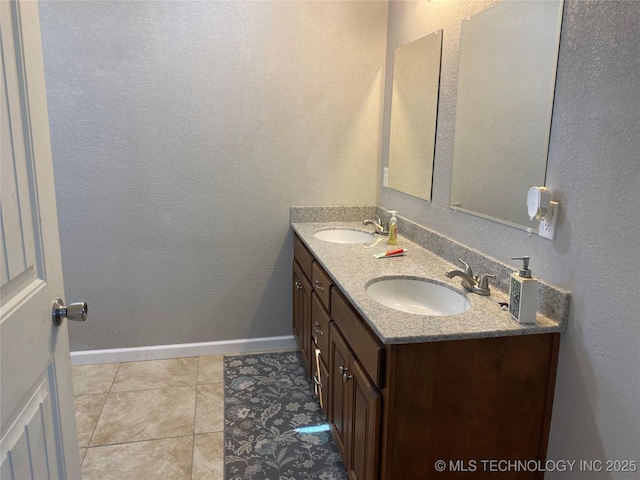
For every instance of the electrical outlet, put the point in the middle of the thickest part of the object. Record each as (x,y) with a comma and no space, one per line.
(548,227)
(385,177)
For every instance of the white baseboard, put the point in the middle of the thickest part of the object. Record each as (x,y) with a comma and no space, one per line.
(159,352)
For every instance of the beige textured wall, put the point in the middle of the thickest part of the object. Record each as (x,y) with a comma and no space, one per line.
(593,170)
(182,132)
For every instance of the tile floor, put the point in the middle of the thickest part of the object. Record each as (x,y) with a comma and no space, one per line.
(159,419)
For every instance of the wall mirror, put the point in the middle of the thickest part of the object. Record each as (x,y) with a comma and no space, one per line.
(507,72)
(414,111)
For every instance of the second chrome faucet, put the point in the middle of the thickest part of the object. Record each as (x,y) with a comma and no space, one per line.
(469,281)
(380,229)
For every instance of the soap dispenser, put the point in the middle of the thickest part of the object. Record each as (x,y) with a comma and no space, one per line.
(393,228)
(523,293)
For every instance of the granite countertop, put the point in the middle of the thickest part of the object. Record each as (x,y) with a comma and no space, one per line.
(353,267)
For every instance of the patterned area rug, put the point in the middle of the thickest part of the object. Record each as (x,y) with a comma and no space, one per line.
(274,427)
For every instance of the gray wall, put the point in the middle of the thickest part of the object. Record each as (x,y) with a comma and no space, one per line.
(594,170)
(182,132)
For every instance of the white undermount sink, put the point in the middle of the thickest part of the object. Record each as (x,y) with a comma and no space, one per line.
(344,235)
(418,296)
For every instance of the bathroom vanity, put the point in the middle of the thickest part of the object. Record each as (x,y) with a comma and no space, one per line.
(403,391)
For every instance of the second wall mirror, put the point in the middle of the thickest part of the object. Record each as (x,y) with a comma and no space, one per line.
(507,72)
(414,111)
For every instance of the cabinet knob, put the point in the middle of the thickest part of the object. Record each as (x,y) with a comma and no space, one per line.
(343,369)
(346,377)
(298,285)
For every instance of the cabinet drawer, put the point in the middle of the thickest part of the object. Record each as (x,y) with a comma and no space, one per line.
(366,347)
(322,283)
(303,256)
(320,324)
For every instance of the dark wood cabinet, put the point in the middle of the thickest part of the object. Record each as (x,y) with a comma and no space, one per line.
(311,300)
(320,321)
(302,291)
(465,401)
(355,411)
(339,358)
(395,409)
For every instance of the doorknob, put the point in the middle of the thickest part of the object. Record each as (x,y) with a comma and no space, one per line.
(75,311)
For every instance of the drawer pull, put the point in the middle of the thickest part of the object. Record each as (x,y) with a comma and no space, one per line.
(317,329)
(346,377)
(318,286)
(316,381)
(343,369)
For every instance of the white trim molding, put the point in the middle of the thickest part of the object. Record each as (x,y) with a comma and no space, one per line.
(159,352)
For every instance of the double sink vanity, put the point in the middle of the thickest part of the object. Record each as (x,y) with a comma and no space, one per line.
(419,377)
(409,367)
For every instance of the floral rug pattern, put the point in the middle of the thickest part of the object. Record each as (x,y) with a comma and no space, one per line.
(274,427)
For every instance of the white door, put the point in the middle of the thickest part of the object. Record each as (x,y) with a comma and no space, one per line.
(38,436)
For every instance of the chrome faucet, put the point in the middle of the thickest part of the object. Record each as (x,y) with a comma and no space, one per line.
(380,229)
(469,281)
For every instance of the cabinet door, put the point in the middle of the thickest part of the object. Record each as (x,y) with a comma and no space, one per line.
(364,426)
(320,324)
(302,313)
(297,286)
(339,359)
(354,411)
